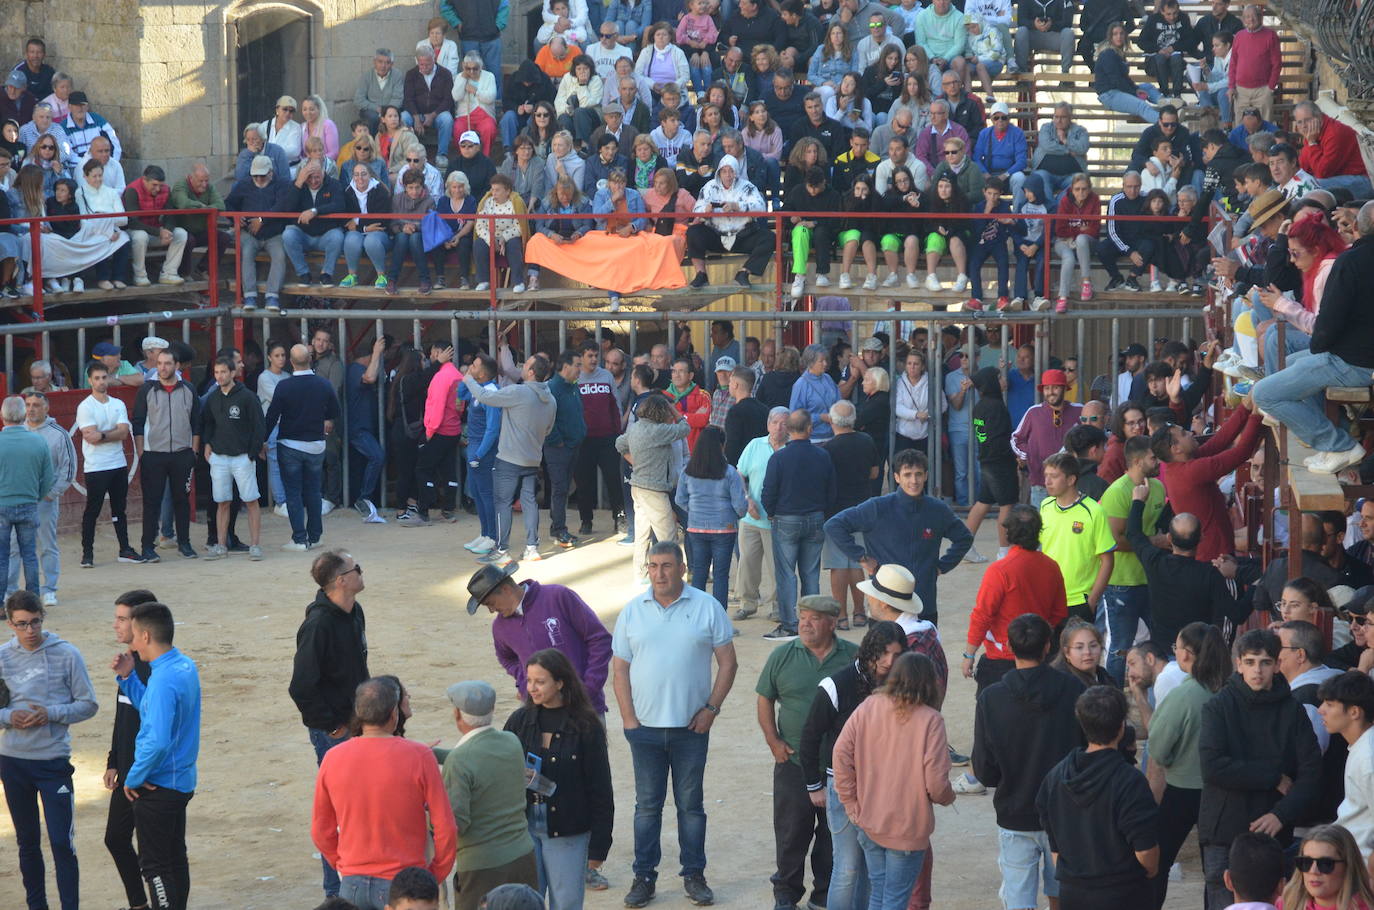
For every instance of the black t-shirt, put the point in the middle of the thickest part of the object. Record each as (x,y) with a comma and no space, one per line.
(854,455)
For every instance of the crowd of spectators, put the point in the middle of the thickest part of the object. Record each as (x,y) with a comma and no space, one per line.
(862,111)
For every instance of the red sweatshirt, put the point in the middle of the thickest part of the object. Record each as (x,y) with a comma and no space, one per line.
(1192,485)
(600,410)
(376,798)
(1335,153)
(441,403)
(1256,59)
(1024,581)
(1113,463)
(1089,221)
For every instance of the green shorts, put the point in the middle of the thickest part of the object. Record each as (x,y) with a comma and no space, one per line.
(891,243)
(937,243)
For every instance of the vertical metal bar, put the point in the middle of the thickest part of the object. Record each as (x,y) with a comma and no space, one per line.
(1150,342)
(219,336)
(972,454)
(453,338)
(212,252)
(1112,370)
(1187,329)
(1084,379)
(186,331)
(415,333)
(115,335)
(9,363)
(934,388)
(305,332)
(528,339)
(381,422)
(1037,358)
(634,342)
(36,270)
(341,351)
(80,356)
(47,345)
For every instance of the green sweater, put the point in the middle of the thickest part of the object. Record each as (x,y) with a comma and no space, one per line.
(1174,731)
(485,779)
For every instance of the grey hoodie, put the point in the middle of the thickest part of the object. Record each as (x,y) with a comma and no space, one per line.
(63,455)
(651,445)
(529,413)
(53,676)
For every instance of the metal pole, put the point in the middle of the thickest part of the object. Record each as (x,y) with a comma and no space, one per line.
(1150,341)
(36,271)
(1083,382)
(934,388)
(381,422)
(1112,370)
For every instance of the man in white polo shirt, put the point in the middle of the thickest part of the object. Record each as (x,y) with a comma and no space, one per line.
(662,649)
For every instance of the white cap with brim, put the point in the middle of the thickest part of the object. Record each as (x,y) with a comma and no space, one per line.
(895,586)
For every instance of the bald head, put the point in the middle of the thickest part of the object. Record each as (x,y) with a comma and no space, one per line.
(1364,222)
(1185,533)
(1098,409)
(300,357)
(799,424)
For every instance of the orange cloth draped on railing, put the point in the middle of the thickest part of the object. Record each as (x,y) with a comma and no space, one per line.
(621,264)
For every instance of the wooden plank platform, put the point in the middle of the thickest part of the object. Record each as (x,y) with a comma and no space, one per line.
(1348,395)
(1312,492)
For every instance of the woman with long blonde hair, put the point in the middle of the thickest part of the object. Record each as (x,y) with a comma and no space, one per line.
(1330,874)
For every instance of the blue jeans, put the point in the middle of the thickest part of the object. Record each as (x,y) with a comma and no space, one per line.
(709,555)
(511,125)
(491,57)
(1293,397)
(797,542)
(1054,183)
(1027,866)
(21,522)
(1357,184)
(48,556)
(965,475)
(481,480)
(414,244)
(980,253)
(1293,341)
(892,874)
(655,751)
(298,243)
(364,442)
(849,875)
(274,468)
(323,742)
(505,478)
(442,126)
(1133,104)
(365,892)
(1219,100)
(26,781)
(561,861)
(301,474)
(1030,271)
(1119,616)
(375,243)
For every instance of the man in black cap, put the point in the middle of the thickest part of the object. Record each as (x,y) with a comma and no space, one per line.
(1133,358)
(530,617)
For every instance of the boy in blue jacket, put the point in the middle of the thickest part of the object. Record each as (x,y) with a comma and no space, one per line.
(1029,245)
(990,236)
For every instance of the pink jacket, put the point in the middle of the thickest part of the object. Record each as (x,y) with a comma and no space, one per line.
(441,403)
(904,769)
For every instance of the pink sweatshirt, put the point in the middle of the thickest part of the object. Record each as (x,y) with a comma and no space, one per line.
(904,769)
(441,403)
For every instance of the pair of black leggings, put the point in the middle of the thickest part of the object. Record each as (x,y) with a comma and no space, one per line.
(597,453)
(157,468)
(99,484)
(434,470)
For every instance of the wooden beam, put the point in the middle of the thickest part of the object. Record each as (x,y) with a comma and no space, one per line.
(1311,492)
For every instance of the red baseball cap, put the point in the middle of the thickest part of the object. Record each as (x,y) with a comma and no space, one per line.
(1054,377)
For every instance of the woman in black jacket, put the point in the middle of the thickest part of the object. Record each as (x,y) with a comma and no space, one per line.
(775,388)
(365,195)
(559,728)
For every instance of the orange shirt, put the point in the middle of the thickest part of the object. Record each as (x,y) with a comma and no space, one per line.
(554,68)
(376,798)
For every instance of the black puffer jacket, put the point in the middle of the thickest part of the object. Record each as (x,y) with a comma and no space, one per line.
(1249,741)
(331,660)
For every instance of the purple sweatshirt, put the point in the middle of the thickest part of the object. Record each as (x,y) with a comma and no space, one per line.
(1038,437)
(552,616)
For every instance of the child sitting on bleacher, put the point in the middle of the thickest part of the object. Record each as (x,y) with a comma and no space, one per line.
(1029,246)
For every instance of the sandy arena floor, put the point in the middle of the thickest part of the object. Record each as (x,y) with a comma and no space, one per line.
(249,837)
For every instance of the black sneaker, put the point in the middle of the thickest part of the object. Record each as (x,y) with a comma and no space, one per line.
(236,546)
(585,529)
(566,540)
(449,516)
(697,892)
(127,554)
(780,633)
(150,555)
(641,892)
(1115,284)
(698,281)
(1131,284)
(88,560)
(741,279)
(186,551)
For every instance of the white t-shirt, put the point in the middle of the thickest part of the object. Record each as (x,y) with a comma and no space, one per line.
(104,416)
(1167,680)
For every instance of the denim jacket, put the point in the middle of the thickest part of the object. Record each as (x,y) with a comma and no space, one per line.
(713,505)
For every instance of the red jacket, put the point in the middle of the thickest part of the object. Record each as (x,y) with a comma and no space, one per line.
(1256,59)
(695,405)
(1335,153)
(1089,220)
(1024,581)
(1113,463)
(1192,485)
(600,411)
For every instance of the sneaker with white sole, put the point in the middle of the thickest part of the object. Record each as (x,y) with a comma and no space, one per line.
(960,283)
(912,281)
(891,280)
(870,282)
(475,545)
(218,551)
(1017,303)
(1156,287)
(933,283)
(280,509)
(50,599)
(495,558)
(294,547)
(1334,462)
(974,557)
(532,554)
(846,282)
(822,281)
(255,553)
(325,507)
(798,286)
(967,783)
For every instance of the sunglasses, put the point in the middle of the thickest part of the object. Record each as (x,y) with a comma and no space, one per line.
(1250,112)
(289,110)
(951,151)
(413,160)
(1325,864)
(357,567)
(996,117)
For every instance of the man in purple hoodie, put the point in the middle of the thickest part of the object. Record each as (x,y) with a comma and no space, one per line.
(531,617)
(1042,429)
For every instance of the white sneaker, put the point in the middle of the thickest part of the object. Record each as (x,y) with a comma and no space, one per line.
(475,545)
(52,286)
(280,509)
(482,286)
(1017,303)
(141,281)
(974,557)
(822,281)
(170,278)
(518,288)
(798,286)
(532,554)
(325,507)
(1334,462)
(912,281)
(933,283)
(967,783)
(78,286)
(1156,287)
(846,282)
(1171,287)
(483,546)
(891,280)
(64,284)
(1040,303)
(961,284)
(50,599)
(870,282)
(295,547)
